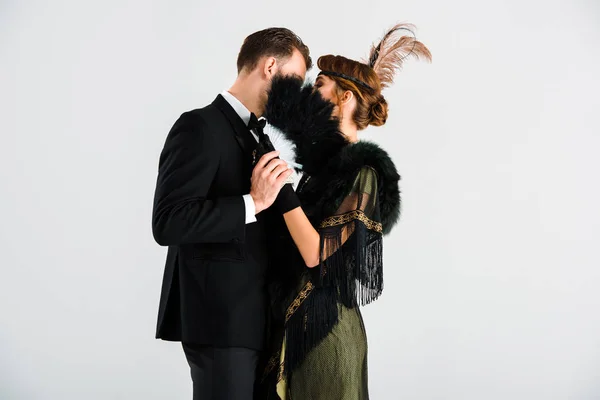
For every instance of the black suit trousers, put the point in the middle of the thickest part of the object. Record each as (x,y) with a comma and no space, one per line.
(222,373)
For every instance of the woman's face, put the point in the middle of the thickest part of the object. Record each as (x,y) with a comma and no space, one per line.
(327,87)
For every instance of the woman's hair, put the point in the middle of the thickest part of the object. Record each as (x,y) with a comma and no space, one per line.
(367,79)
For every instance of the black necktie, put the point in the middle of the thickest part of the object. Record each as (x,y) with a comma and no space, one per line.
(257,125)
(264,144)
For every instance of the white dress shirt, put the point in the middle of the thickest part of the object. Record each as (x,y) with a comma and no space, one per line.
(285,147)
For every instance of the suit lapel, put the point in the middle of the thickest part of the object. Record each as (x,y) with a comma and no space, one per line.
(242,134)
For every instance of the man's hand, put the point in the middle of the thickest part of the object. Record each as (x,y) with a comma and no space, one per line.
(268,177)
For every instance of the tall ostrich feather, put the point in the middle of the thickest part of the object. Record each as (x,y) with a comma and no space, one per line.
(388,56)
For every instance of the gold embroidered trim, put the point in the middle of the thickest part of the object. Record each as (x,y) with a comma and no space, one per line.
(271,364)
(280,374)
(299,300)
(352,216)
(275,359)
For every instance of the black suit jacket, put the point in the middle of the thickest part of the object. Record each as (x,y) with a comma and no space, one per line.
(213,290)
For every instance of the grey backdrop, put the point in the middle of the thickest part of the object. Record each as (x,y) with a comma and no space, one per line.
(492,275)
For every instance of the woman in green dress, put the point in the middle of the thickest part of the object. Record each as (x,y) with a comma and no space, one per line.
(328,261)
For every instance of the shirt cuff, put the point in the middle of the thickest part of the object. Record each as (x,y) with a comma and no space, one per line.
(250,209)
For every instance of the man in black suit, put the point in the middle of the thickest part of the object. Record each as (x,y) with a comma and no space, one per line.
(210,209)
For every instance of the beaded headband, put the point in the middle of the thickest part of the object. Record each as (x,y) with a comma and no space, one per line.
(350,78)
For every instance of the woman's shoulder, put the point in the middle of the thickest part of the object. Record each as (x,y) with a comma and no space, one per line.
(366,179)
(368,158)
(375,171)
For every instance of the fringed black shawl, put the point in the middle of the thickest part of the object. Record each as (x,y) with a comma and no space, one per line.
(350,194)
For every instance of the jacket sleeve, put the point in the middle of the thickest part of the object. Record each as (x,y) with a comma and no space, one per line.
(183,211)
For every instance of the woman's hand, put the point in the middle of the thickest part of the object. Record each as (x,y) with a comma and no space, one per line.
(268,177)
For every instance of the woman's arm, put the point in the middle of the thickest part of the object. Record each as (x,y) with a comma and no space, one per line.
(304,235)
(361,199)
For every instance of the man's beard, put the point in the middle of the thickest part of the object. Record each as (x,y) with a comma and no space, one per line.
(264,96)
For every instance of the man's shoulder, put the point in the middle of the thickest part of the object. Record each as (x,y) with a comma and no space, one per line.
(196,123)
(198,113)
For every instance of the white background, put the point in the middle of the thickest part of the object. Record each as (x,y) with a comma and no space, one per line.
(492,276)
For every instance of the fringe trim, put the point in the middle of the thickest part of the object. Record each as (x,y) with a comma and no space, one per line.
(355,268)
(309,325)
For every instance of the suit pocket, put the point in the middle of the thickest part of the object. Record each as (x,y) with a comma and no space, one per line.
(219,252)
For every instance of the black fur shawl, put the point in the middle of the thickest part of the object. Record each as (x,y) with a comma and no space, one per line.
(324,153)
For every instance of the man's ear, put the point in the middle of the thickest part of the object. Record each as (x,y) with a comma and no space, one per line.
(269,66)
